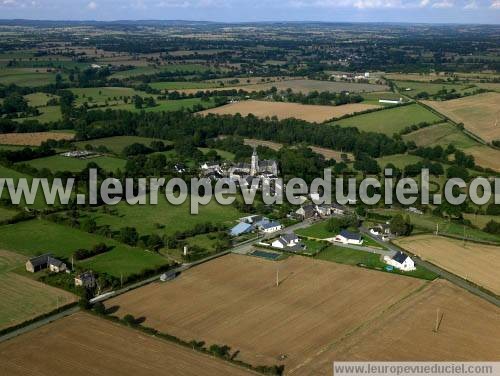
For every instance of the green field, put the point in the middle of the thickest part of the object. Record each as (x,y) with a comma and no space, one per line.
(391,120)
(116,144)
(124,260)
(39,99)
(399,160)
(195,68)
(441,134)
(11,147)
(6,214)
(26,77)
(47,114)
(23,298)
(182,85)
(349,256)
(5,172)
(37,236)
(225,155)
(99,95)
(164,218)
(168,105)
(430,88)
(60,163)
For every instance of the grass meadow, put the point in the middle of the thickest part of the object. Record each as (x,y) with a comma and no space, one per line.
(35,237)
(60,163)
(391,120)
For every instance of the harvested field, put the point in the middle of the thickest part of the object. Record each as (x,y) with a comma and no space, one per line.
(284,110)
(485,156)
(479,113)
(327,153)
(33,138)
(478,263)
(405,332)
(233,300)
(82,344)
(22,298)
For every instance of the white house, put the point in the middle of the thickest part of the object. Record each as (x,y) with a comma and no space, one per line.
(347,237)
(286,240)
(400,261)
(269,227)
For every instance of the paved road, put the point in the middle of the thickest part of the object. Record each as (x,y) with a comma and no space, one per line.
(456,280)
(39,323)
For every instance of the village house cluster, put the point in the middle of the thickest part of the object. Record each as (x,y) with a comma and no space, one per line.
(242,173)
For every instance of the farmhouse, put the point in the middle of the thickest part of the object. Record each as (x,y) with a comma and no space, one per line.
(400,261)
(80,154)
(381,229)
(323,210)
(55,265)
(85,279)
(306,211)
(347,237)
(43,262)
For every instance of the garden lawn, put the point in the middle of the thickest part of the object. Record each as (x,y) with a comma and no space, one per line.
(349,256)
(317,231)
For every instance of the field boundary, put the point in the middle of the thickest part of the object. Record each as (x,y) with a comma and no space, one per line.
(258,370)
(65,310)
(453,122)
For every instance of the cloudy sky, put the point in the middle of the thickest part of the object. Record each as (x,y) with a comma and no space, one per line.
(427,11)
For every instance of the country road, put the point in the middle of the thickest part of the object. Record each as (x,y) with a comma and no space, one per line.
(456,280)
(244,248)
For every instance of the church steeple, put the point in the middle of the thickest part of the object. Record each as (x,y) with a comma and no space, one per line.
(254,169)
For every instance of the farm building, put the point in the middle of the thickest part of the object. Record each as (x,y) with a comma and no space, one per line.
(241,228)
(43,262)
(55,265)
(85,279)
(400,261)
(306,211)
(381,229)
(347,237)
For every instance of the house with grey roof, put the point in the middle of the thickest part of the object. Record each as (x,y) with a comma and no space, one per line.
(43,262)
(400,261)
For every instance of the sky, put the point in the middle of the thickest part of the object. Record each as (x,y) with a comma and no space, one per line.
(417,11)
